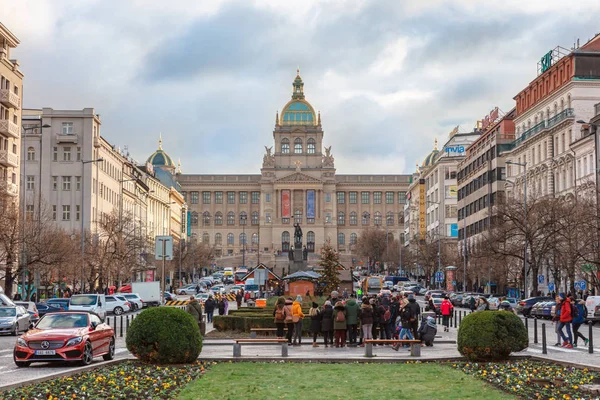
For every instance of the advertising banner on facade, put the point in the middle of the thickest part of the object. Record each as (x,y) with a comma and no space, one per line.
(189,223)
(422,207)
(454,230)
(310,204)
(451,192)
(285,204)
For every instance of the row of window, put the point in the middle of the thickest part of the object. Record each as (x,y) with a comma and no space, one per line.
(378,218)
(497,174)
(311,146)
(476,206)
(207,197)
(65,182)
(489,155)
(285,239)
(475,228)
(67,153)
(365,197)
(218,219)
(66,212)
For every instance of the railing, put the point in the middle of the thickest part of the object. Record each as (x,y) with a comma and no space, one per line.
(9,128)
(8,158)
(564,114)
(9,98)
(9,187)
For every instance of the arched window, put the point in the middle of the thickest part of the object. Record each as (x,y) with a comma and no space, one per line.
(255,239)
(310,241)
(206,218)
(555,108)
(205,238)
(194,218)
(568,101)
(242,238)
(285,146)
(297,145)
(218,238)
(341,218)
(341,239)
(353,239)
(562,104)
(389,218)
(255,218)
(30,154)
(311,146)
(218,218)
(243,218)
(353,218)
(230,239)
(377,218)
(285,241)
(365,218)
(230,218)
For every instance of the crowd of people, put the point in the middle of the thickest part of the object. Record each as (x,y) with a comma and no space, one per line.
(569,313)
(344,322)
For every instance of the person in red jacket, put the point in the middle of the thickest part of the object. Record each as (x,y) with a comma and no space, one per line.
(446,308)
(563,304)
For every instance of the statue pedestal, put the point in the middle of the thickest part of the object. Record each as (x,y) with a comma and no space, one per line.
(298,263)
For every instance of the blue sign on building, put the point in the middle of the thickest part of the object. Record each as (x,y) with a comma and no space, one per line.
(439,276)
(551,286)
(454,230)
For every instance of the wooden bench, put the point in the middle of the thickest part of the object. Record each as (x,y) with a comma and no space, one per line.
(237,347)
(415,345)
(254,331)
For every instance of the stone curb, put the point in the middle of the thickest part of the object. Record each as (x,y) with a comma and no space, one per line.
(68,373)
(565,363)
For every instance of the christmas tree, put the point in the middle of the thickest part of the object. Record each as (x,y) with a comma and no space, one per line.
(329,262)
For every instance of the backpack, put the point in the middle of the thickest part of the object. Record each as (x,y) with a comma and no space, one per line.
(387,315)
(340,317)
(574,311)
(279,314)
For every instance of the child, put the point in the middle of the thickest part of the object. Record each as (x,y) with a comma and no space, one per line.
(405,334)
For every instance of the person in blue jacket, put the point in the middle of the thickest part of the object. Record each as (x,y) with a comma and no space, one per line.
(578,321)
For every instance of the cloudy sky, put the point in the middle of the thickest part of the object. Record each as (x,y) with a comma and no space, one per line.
(388,76)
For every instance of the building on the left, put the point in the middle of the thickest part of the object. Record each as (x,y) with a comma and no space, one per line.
(11,90)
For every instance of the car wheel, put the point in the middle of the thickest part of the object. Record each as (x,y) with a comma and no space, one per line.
(88,355)
(15,331)
(21,364)
(111,351)
(118,311)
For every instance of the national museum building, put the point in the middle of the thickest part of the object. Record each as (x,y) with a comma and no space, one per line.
(297,183)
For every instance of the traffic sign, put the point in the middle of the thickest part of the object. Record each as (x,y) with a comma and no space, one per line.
(164,248)
(551,286)
(583,285)
(577,285)
(439,276)
(540,279)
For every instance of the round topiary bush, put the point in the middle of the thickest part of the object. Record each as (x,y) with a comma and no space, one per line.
(491,335)
(164,335)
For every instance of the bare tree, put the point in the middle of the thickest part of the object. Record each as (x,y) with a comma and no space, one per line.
(372,244)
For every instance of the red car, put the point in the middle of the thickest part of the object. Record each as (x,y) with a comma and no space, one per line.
(66,336)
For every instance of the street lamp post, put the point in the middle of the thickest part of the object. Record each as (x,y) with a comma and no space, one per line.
(82,218)
(439,238)
(524,165)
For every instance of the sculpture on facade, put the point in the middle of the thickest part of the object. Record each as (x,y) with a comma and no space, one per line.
(268,159)
(328,159)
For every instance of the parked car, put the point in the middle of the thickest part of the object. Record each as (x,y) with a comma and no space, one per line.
(31,309)
(135,300)
(14,319)
(202,297)
(524,306)
(457,300)
(45,308)
(536,309)
(220,289)
(95,303)
(416,289)
(592,303)
(235,288)
(547,310)
(63,304)
(191,289)
(117,305)
(169,296)
(66,336)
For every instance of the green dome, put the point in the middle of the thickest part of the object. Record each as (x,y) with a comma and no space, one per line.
(161,159)
(298,111)
(430,158)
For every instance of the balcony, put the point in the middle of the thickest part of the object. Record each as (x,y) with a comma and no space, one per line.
(9,159)
(9,99)
(564,114)
(561,116)
(9,188)
(9,128)
(64,138)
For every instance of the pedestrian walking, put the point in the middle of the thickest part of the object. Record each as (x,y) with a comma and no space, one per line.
(279,315)
(194,309)
(238,299)
(352,312)
(297,316)
(578,320)
(385,315)
(366,320)
(289,319)
(221,306)
(327,323)
(209,307)
(414,312)
(563,305)
(447,309)
(315,322)
(339,324)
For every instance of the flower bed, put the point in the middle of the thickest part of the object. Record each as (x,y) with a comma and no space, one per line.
(533,379)
(128,380)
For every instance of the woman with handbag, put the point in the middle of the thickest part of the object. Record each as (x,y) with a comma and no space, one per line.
(289,319)
(297,316)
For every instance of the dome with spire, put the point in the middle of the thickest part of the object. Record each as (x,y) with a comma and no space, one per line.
(430,159)
(298,111)
(161,159)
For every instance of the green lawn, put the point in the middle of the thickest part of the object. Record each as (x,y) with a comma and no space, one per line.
(343,381)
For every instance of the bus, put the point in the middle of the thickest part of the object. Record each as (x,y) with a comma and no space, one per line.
(372,285)
(239,274)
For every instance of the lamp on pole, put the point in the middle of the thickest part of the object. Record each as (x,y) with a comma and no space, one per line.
(524,165)
(243,219)
(82,218)
(439,237)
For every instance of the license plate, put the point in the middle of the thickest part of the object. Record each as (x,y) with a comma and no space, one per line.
(45,352)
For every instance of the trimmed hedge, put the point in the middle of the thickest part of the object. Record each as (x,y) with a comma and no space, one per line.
(245,323)
(164,335)
(491,335)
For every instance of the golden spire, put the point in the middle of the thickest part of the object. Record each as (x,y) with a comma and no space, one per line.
(277,118)
(319,119)
(435,144)
(298,71)
(178,166)
(417,166)
(160,141)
